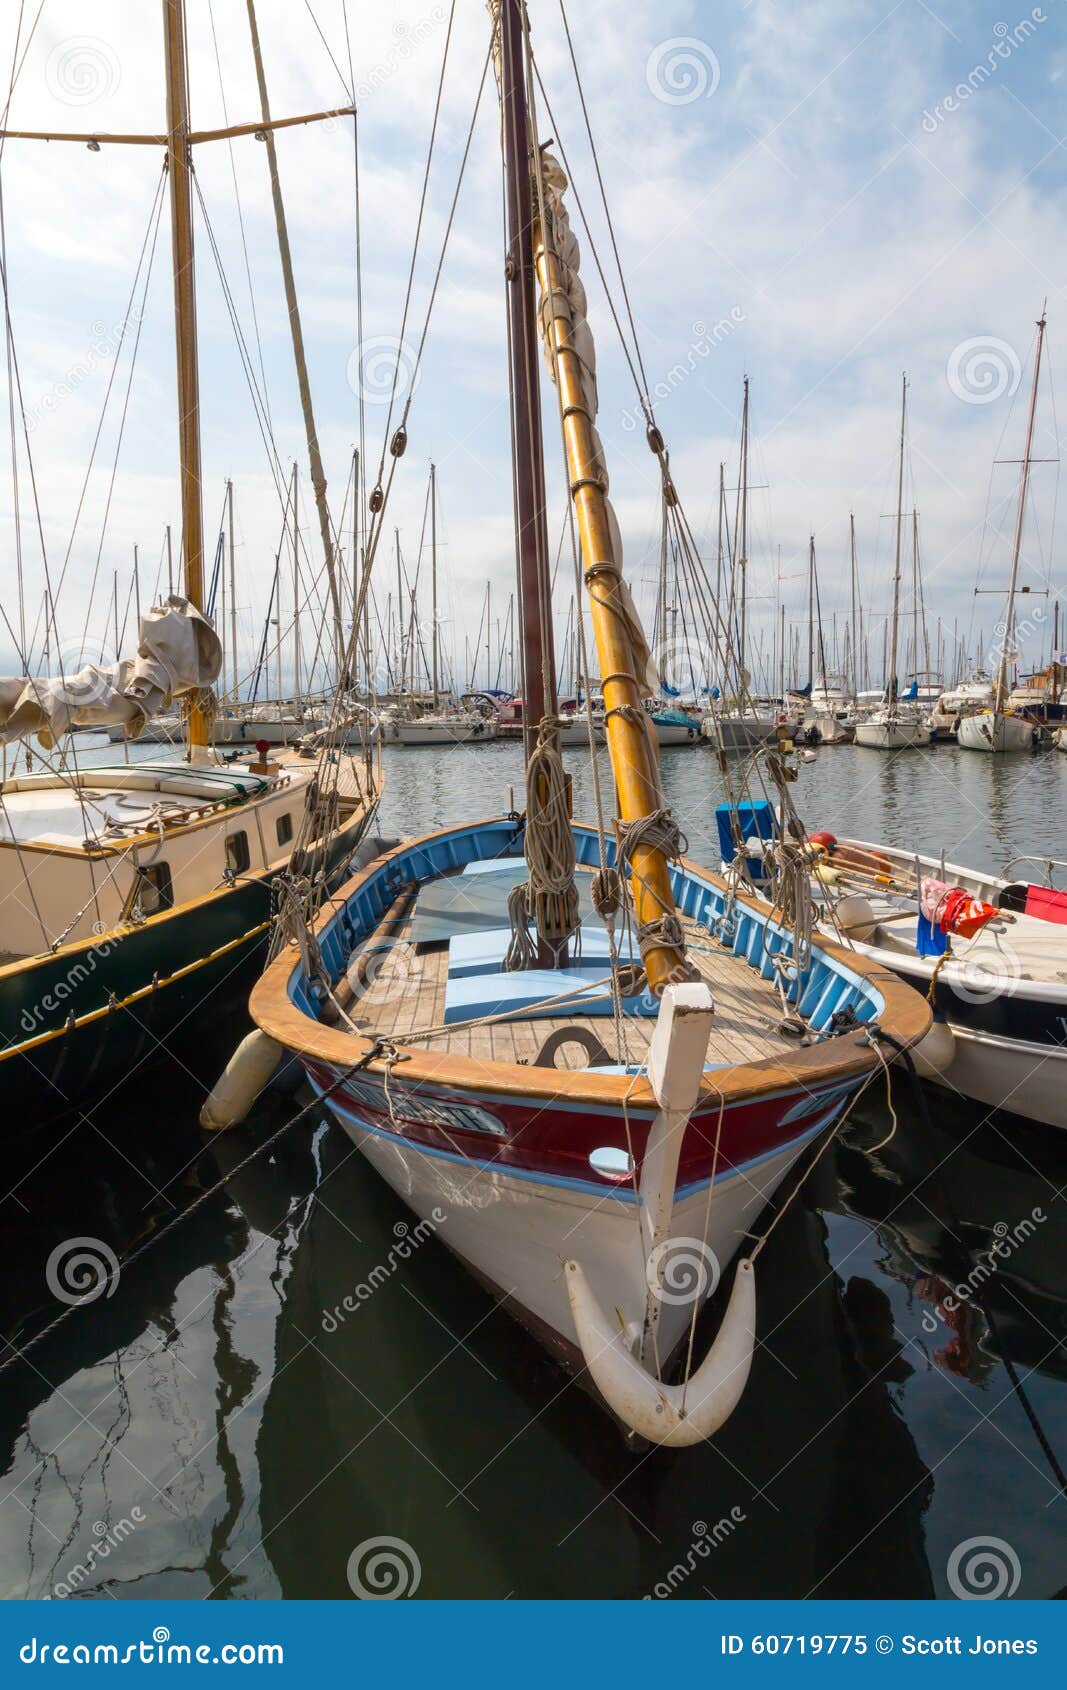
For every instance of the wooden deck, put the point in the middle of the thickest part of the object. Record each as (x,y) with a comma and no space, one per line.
(408,995)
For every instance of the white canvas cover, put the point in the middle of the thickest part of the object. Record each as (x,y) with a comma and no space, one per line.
(178,652)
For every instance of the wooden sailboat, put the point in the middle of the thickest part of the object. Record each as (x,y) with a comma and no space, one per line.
(897,724)
(135,897)
(1000,728)
(451,976)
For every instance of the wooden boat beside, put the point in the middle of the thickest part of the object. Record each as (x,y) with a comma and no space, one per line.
(135,897)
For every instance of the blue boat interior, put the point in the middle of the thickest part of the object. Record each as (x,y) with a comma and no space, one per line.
(463,878)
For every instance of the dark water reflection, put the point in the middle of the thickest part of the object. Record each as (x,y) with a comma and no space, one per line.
(214,1431)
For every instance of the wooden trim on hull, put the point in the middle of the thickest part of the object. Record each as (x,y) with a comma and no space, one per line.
(275,1012)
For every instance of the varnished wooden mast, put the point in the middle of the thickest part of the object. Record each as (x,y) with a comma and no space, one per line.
(634,756)
(181,217)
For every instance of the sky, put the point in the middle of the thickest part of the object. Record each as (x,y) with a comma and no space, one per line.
(821,197)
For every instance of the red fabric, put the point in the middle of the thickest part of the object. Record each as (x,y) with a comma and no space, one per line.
(962,914)
(1046,904)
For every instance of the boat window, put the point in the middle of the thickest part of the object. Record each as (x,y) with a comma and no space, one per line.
(155,890)
(285,828)
(237,857)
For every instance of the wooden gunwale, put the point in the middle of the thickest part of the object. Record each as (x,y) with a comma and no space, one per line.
(905,1014)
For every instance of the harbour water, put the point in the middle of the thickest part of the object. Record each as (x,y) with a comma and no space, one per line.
(222,1426)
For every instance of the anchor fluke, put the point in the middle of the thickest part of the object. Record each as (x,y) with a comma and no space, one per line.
(675,1415)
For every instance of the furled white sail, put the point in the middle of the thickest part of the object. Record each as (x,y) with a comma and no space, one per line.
(178,652)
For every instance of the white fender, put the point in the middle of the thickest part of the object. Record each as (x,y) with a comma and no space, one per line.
(241,1081)
(935,1052)
(676,1415)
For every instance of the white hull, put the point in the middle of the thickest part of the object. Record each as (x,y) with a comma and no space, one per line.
(832,730)
(248,730)
(740,733)
(515,1233)
(673,733)
(462,731)
(577,732)
(1021,1078)
(995,731)
(894,735)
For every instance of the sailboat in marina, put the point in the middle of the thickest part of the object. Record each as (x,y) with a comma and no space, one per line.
(430,718)
(132,898)
(745,721)
(581,1073)
(999,727)
(898,723)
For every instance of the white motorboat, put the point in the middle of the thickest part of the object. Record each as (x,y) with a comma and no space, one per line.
(999,997)
(896,727)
